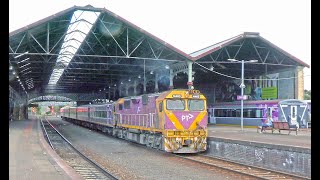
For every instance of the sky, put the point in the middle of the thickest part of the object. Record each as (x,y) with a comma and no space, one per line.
(191,25)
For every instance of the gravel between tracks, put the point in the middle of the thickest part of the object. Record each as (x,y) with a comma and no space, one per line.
(129,161)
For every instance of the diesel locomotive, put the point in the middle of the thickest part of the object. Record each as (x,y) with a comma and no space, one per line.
(173,121)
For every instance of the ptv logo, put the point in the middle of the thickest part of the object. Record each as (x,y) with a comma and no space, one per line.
(186,117)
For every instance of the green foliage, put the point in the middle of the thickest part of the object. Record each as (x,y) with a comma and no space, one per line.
(307,94)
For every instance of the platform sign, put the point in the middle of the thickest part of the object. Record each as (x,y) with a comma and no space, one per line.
(244,97)
(269,93)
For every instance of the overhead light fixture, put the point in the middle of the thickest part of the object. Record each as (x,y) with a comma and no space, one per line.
(24,65)
(129,79)
(10,67)
(167,67)
(13,72)
(21,54)
(151,72)
(23,60)
(139,76)
(211,68)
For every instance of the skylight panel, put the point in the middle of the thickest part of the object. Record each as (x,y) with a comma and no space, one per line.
(80,25)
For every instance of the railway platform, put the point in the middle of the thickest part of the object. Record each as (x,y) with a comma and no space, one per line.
(302,139)
(30,156)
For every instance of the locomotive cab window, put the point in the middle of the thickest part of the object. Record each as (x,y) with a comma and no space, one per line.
(175,104)
(120,106)
(195,105)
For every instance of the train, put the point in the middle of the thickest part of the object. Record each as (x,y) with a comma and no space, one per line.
(174,121)
(296,112)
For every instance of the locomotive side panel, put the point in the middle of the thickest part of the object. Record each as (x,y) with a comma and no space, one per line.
(137,113)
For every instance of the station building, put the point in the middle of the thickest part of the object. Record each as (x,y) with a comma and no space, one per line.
(86,53)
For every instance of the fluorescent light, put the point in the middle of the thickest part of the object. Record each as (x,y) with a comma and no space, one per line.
(23,60)
(25,69)
(234,60)
(24,65)
(26,72)
(21,54)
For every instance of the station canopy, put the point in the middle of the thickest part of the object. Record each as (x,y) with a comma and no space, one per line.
(86,49)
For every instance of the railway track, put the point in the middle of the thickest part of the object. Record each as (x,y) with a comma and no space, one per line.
(245,170)
(250,171)
(86,167)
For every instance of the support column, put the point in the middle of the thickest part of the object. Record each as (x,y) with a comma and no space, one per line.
(156,88)
(109,94)
(171,76)
(144,78)
(135,87)
(299,84)
(16,111)
(214,94)
(190,83)
(127,90)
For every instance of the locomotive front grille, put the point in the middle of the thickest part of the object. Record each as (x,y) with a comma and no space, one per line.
(185,133)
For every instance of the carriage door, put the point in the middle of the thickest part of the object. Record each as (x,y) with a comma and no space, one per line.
(212,119)
(293,113)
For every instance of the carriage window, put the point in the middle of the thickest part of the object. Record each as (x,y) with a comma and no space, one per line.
(259,113)
(247,113)
(127,104)
(176,104)
(120,106)
(196,105)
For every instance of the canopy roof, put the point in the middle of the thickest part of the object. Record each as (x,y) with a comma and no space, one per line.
(85,49)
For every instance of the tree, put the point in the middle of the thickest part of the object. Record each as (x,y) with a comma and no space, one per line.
(307,94)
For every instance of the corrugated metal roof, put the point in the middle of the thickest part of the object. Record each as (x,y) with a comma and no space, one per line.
(215,47)
(202,52)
